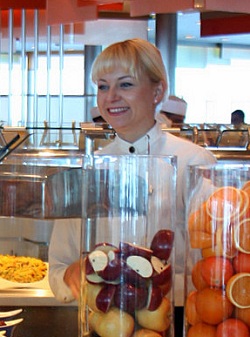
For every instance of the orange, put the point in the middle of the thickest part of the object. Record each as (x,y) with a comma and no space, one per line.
(245,207)
(246,189)
(212,251)
(243,315)
(238,290)
(242,236)
(197,279)
(241,263)
(190,309)
(245,194)
(200,239)
(225,240)
(232,327)
(213,306)
(202,330)
(246,185)
(216,270)
(224,203)
(200,220)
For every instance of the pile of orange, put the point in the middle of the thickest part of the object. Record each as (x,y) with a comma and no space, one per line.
(218,303)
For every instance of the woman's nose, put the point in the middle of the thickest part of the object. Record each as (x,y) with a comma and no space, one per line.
(113,94)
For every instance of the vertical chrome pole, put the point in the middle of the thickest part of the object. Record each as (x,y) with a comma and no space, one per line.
(10,61)
(23,69)
(35,105)
(61,61)
(48,101)
(0,60)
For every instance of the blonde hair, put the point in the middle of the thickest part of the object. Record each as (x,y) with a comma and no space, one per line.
(135,56)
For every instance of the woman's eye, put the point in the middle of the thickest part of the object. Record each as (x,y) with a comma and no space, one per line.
(102,87)
(126,84)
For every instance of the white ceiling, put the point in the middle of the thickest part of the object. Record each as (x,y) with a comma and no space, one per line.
(189,30)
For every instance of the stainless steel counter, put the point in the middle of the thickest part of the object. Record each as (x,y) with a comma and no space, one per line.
(28,297)
(233,155)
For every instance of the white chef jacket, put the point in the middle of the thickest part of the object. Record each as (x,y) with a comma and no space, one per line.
(65,241)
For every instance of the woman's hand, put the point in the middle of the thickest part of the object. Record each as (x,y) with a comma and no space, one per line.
(72,278)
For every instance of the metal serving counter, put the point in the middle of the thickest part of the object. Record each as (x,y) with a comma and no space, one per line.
(224,141)
(231,155)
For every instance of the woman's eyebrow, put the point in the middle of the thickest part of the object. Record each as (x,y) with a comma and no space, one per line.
(125,77)
(119,78)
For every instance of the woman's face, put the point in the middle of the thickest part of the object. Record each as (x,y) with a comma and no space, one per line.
(127,104)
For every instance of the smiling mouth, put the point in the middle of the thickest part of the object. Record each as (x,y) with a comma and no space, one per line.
(117,110)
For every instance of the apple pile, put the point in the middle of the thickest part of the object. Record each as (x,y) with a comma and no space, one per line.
(127,286)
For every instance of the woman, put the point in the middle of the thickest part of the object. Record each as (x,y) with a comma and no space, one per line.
(131,81)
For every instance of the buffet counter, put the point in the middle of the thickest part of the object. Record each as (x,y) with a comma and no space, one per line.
(32,294)
(231,155)
(28,297)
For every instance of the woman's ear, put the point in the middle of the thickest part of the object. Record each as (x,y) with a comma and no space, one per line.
(159,92)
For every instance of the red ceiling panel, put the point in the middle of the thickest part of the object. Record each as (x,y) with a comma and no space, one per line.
(223,24)
(28,4)
(68,11)
(146,7)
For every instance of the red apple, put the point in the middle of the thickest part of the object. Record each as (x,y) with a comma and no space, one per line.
(163,277)
(162,243)
(140,265)
(147,333)
(88,267)
(165,288)
(130,276)
(98,260)
(157,264)
(105,247)
(94,278)
(128,249)
(129,298)
(157,320)
(105,297)
(112,271)
(92,291)
(154,297)
(113,323)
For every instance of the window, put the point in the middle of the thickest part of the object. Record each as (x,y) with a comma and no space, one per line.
(213,86)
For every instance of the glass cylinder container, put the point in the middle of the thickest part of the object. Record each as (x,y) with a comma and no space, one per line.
(127,246)
(217,276)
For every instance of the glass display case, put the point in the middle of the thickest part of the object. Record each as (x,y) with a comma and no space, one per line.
(38,185)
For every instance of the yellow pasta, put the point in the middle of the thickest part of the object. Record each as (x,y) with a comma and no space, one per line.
(22,269)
